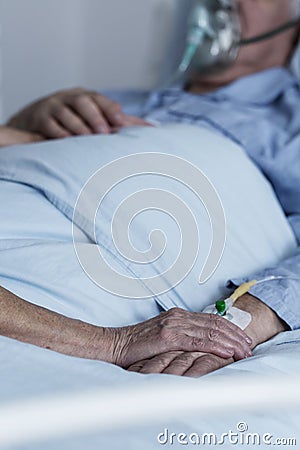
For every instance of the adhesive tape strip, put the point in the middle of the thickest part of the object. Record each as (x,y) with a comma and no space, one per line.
(237,316)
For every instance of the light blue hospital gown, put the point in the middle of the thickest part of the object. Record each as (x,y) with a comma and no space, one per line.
(261,113)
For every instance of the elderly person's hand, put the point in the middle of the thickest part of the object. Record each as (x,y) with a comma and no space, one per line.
(187,364)
(11,136)
(175,330)
(179,330)
(265,324)
(73,112)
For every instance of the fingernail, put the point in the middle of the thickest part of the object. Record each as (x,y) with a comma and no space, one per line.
(248,355)
(247,338)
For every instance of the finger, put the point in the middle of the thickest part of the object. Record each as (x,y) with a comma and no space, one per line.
(206,364)
(35,137)
(116,129)
(111,110)
(172,331)
(159,363)
(136,367)
(131,121)
(206,333)
(232,334)
(182,363)
(219,323)
(227,325)
(88,110)
(71,121)
(196,339)
(204,320)
(219,343)
(51,129)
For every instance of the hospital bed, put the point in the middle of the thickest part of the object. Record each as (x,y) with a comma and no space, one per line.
(52,401)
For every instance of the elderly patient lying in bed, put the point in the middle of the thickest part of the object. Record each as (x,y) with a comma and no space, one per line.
(255,104)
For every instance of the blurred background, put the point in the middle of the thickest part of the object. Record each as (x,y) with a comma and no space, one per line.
(47,45)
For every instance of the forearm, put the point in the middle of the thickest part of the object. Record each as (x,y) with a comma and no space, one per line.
(174,330)
(11,136)
(265,323)
(35,325)
(282,293)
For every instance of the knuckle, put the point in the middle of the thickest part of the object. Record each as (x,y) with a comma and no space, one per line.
(213,335)
(216,321)
(175,312)
(169,325)
(59,110)
(99,98)
(163,360)
(50,102)
(186,358)
(171,317)
(197,344)
(212,317)
(167,333)
(80,100)
(167,322)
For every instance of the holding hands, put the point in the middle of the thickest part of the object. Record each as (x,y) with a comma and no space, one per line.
(218,338)
(176,340)
(188,364)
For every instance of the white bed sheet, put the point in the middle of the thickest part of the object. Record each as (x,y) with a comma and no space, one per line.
(29,373)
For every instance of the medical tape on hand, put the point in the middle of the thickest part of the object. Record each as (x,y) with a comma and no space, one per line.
(234,315)
(225,308)
(241,318)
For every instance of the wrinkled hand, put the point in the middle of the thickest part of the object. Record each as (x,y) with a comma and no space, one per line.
(187,364)
(73,112)
(265,324)
(10,136)
(179,330)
